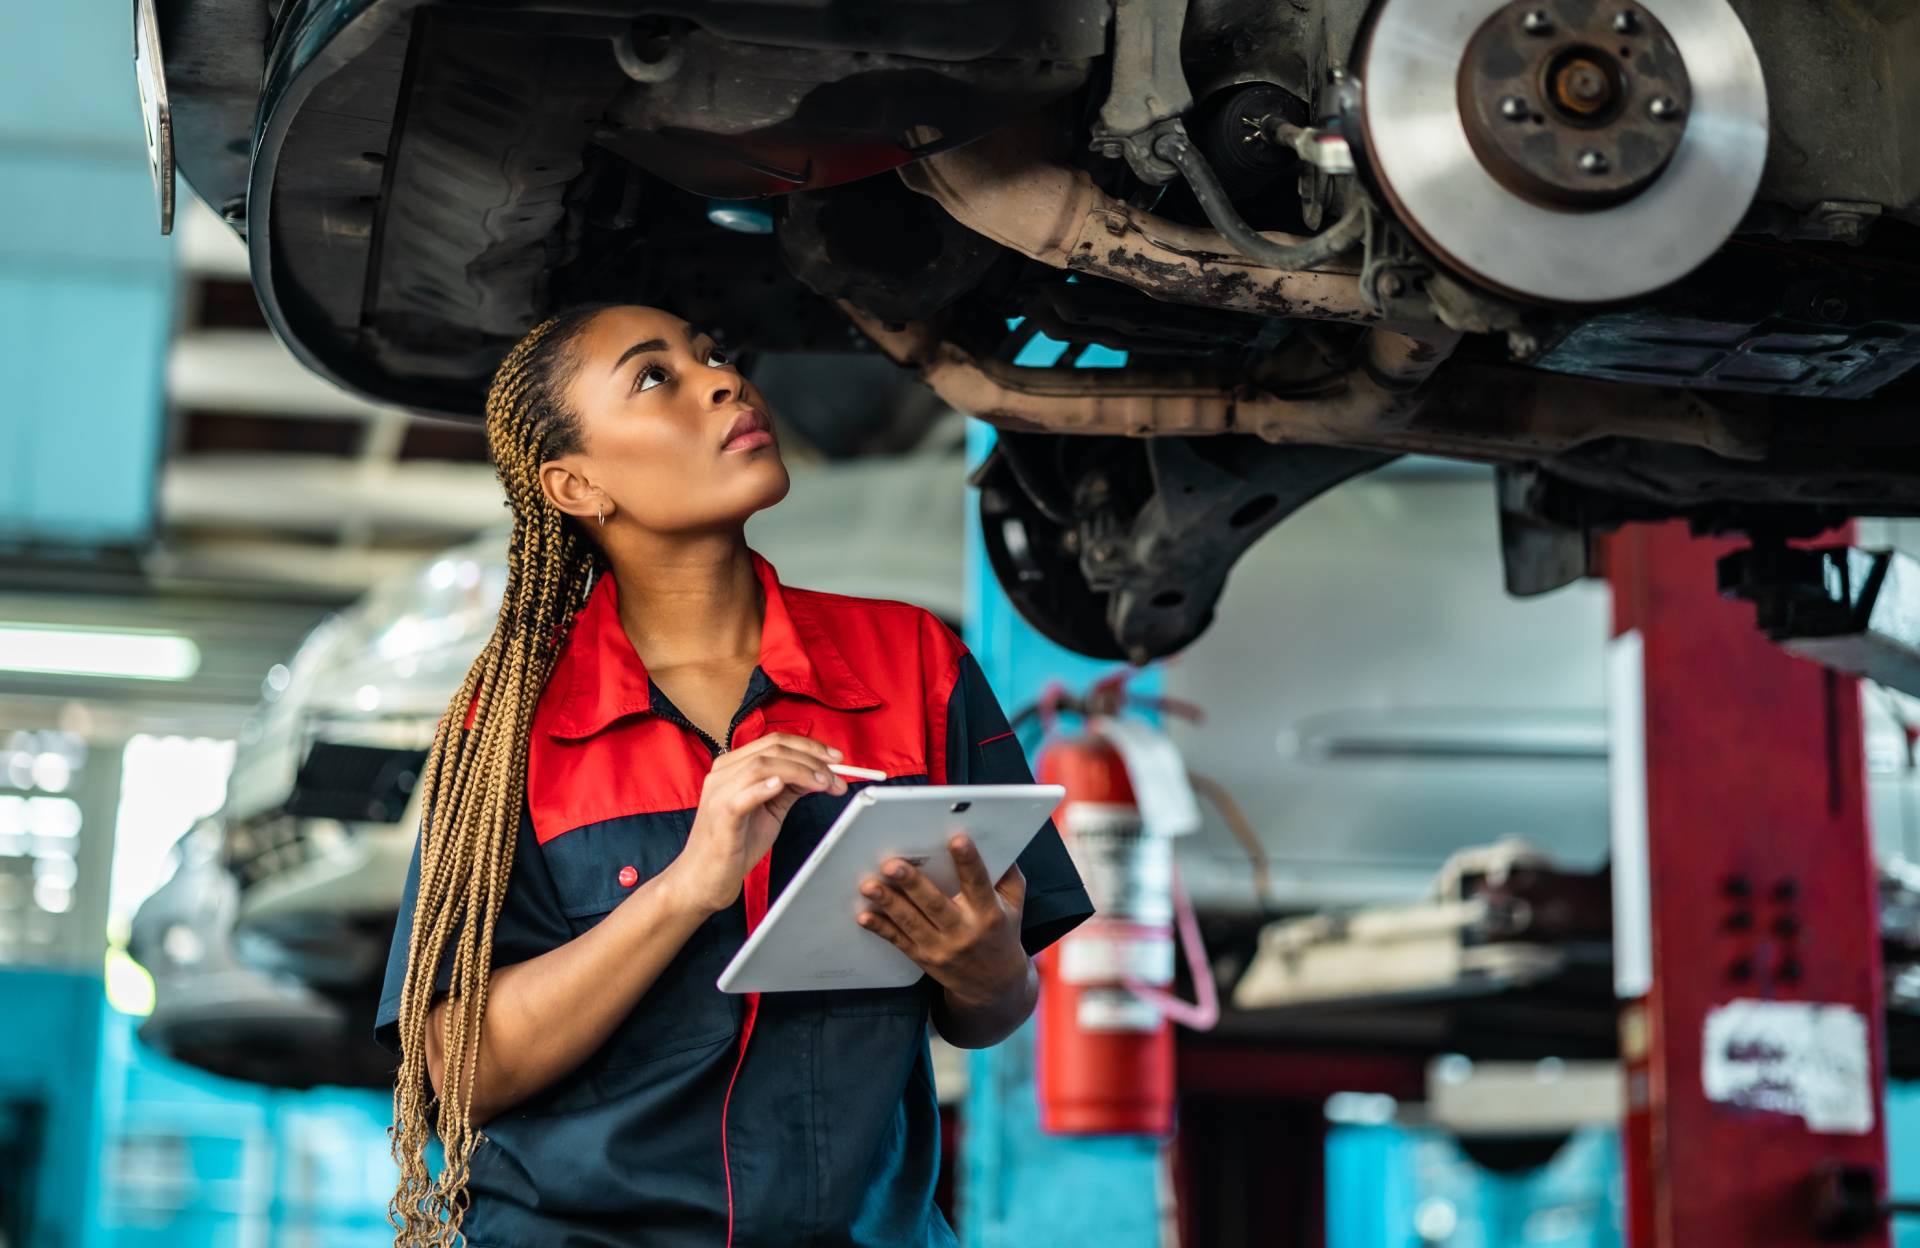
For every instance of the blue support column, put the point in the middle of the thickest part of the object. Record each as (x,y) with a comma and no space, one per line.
(1903,1156)
(46,1074)
(1019,1187)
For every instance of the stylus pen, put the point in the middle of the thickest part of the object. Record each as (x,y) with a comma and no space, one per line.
(856,773)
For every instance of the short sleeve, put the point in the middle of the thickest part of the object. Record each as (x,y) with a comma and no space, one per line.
(530,923)
(982,749)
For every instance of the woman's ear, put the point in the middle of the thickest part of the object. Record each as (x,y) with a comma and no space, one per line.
(571,493)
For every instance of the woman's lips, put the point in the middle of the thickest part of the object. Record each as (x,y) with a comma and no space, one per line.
(750,429)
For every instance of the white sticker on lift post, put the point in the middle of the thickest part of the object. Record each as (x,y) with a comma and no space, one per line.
(1792,1057)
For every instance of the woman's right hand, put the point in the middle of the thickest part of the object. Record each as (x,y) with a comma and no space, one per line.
(742,803)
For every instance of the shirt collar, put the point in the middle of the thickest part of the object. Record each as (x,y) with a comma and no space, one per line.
(601,678)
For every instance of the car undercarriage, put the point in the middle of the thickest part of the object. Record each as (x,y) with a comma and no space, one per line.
(1197,262)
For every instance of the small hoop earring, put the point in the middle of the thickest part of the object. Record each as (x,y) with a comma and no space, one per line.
(599,514)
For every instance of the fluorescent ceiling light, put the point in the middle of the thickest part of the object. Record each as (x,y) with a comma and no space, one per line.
(134,654)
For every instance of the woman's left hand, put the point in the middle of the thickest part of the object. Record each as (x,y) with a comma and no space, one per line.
(969,943)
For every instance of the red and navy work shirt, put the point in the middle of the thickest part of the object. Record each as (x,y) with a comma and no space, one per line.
(710,1118)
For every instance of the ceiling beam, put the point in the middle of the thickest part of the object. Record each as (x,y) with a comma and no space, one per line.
(248,370)
(316,495)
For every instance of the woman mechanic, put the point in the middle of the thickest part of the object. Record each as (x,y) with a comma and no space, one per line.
(633,768)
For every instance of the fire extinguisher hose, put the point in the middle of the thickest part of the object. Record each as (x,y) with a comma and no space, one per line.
(1202,1013)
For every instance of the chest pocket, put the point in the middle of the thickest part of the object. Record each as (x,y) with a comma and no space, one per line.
(683,1009)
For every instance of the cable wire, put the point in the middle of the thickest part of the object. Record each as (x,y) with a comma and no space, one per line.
(1174,148)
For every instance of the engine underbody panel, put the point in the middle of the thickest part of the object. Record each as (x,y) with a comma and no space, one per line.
(969,186)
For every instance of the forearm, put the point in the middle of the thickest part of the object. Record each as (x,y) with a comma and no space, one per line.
(548,1014)
(976,1024)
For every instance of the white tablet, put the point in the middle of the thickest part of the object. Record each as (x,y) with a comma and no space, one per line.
(810,937)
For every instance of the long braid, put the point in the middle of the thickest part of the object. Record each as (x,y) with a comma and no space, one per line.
(475,779)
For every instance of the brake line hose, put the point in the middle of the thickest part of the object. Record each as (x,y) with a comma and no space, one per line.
(1175,148)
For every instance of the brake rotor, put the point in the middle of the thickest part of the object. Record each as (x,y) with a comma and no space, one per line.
(1569,151)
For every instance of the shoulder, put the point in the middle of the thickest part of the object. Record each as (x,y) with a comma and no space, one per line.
(881,633)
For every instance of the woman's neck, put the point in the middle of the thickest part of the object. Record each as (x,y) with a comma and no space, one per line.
(692,602)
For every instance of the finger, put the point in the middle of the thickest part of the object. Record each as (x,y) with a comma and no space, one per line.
(747,755)
(806,777)
(794,741)
(883,927)
(897,906)
(810,762)
(923,892)
(1013,887)
(975,885)
(745,799)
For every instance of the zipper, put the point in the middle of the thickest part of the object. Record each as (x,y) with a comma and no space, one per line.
(746,709)
(753,999)
(713,745)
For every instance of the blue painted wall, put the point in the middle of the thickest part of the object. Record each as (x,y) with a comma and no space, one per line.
(86,281)
(140,1151)
(49,1053)
(197,1161)
(1396,1187)
(1017,1186)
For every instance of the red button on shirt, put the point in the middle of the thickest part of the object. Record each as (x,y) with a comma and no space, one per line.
(628,877)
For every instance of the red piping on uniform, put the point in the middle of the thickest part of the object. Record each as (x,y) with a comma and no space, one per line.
(756,890)
(990,740)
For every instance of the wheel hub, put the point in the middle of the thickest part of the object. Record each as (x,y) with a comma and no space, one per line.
(1558,100)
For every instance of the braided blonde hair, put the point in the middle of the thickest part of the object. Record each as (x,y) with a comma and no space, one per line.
(475,779)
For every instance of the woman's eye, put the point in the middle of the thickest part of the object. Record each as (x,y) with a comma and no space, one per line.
(653,371)
(719,355)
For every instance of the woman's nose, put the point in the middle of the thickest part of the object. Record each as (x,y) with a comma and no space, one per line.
(722,392)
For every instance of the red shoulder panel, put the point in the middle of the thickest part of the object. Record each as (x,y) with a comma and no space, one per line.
(644,764)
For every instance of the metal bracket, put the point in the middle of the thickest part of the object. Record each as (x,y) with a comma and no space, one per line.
(1149,90)
(1339,111)
(1399,282)
(1538,552)
(1842,221)
(1856,611)
(1393,273)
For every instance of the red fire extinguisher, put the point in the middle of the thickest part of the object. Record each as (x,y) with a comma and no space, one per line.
(1106,1051)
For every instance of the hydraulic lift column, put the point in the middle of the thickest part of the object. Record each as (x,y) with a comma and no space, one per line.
(1746,920)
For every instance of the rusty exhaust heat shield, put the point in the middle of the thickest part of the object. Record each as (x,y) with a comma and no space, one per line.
(1005,187)
(1480,413)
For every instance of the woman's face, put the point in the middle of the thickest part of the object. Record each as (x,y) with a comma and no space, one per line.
(662,412)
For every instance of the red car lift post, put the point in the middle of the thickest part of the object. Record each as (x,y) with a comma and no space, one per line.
(1744,873)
